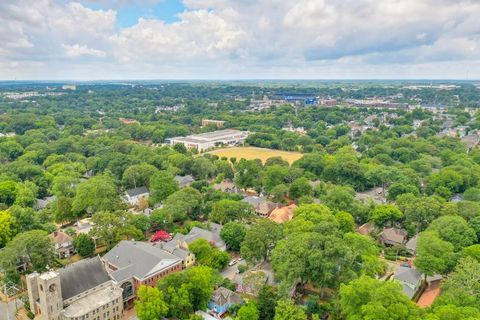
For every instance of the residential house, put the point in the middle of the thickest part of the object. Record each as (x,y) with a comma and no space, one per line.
(227,186)
(81,290)
(184,181)
(63,244)
(261,205)
(223,299)
(176,248)
(43,203)
(134,263)
(393,236)
(411,280)
(283,214)
(134,196)
(212,236)
(411,245)
(366,228)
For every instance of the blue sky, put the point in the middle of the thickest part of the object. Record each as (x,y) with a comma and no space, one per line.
(239,39)
(129,13)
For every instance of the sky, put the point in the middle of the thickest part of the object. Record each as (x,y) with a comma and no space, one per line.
(239,39)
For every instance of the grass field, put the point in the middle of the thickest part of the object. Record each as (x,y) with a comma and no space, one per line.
(251,153)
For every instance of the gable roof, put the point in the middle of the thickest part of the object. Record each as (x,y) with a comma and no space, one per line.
(184,181)
(59,237)
(409,278)
(223,296)
(82,276)
(137,191)
(212,236)
(366,228)
(411,244)
(394,235)
(283,214)
(138,259)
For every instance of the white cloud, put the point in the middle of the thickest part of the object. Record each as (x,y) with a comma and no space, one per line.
(77,50)
(247,38)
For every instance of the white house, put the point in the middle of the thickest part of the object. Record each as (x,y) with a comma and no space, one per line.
(133,196)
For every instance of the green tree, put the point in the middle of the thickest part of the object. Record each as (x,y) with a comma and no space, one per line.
(162,185)
(7,223)
(207,255)
(267,298)
(287,310)
(150,304)
(455,230)
(452,312)
(462,287)
(248,311)
(259,240)
(227,210)
(96,194)
(26,194)
(8,192)
(248,172)
(84,245)
(368,298)
(300,188)
(138,175)
(386,213)
(419,211)
(189,290)
(64,185)
(233,234)
(111,228)
(62,210)
(31,247)
(399,188)
(434,255)
(472,251)
(183,203)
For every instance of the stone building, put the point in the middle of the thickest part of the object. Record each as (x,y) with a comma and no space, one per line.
(80,291)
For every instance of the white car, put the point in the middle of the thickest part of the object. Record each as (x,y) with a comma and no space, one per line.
(232,262)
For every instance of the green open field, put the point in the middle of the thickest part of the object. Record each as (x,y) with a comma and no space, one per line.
(251,153)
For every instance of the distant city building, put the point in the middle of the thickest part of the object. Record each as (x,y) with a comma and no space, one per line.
(217,123)
(373,103)
(82,290)
(327,102)
(69,87)
(209,140)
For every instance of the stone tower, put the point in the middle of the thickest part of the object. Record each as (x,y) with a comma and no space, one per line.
(50,296)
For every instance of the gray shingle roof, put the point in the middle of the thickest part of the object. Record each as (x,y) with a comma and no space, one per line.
(410,278)
(81,276)
(137,191)
(138,259)
(184,181)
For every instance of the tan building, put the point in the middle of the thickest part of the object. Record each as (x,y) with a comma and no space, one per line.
(80,291)
(218,123)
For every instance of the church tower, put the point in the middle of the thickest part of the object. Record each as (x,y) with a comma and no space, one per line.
(50,296)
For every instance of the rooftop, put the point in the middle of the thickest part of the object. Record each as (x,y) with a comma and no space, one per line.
(137,191)
(138,259)
(82,276)
(93,301)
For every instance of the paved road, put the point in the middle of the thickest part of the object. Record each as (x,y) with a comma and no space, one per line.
(11,310)
(229,272)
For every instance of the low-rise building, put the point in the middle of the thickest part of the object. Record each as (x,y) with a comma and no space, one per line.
(411,280)
(135,263)
(63,244)
(212,236)
(217,123)
(82,290)
(222,299)
(227,186)
(393,236)
(204,141)
(184,181)
(261,205)
(134,196)
(283,214)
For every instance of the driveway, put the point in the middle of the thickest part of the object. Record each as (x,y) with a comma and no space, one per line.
(230,272)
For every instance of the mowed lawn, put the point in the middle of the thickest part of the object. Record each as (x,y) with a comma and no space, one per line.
(251,153)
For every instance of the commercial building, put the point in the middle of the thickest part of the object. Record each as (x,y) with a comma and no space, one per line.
(204,141)
(217,123)
(82,290)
